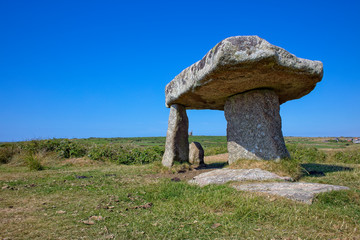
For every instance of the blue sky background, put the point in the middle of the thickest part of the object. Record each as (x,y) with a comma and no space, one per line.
(99,68)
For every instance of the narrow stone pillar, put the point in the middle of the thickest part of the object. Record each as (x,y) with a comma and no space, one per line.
(254,126)
(177,143)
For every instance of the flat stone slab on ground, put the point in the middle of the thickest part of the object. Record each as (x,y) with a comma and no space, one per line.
(222,176)
(303,192)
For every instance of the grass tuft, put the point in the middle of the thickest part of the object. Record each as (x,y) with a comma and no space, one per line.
(33,162)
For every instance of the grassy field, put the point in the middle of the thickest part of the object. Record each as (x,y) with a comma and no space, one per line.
(80,198)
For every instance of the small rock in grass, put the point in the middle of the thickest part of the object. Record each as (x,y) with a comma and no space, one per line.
(60,212)
(97,218)
(88,222)
(216,225)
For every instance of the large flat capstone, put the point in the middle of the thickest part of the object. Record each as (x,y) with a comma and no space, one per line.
(239,64)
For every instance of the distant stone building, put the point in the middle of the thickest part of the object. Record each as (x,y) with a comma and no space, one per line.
(356,140)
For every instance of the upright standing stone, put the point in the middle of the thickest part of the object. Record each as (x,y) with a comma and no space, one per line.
(254,126)
(177,143)
(196,153)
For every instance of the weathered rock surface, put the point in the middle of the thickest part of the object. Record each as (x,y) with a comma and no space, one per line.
(254,126)
(239,64)
(303,192)
(222,176)
(196,154)
(177,144)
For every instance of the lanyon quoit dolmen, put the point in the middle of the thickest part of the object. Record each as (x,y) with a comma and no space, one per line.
(248,78)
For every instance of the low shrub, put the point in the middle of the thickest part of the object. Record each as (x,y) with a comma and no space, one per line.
(102,153)
(8,151)
(125,154)
(142,155)
(33,162)
(64,147)
(68,149)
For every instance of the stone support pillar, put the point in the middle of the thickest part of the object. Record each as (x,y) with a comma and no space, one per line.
(177,143)
(254,126)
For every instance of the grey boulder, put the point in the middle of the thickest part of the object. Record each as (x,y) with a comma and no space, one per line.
(196,154)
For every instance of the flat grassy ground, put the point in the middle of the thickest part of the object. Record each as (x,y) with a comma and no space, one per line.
(79,198)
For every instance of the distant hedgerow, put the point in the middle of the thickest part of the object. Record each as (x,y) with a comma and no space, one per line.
(125,154)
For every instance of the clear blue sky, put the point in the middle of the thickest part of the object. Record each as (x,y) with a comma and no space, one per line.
(99,68)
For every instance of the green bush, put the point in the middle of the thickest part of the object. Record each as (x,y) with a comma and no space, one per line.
(142,155)
(68,149)
(103,153)
(40,145)
(33,162)
(64,147)
(7,151)
(122,154)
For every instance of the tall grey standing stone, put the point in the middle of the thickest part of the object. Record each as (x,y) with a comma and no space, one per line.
(177,144)
(254,126)
(196,153)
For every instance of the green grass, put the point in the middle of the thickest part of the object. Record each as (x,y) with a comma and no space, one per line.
(178,210)
(55,202)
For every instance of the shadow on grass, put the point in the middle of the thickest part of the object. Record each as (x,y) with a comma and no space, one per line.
(320,170)
(216,165)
